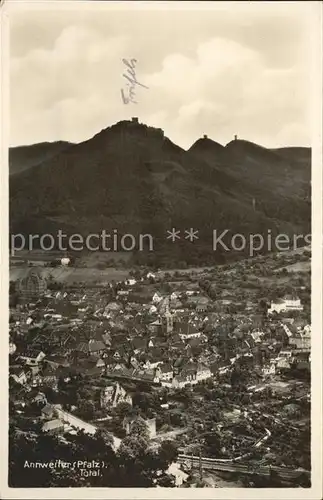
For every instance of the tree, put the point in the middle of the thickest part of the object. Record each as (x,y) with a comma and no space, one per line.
(143,400)
(304,481)
(133,446)
(86,409)
(168,451)
(139,429)
(213,443)
(274,479)
(123,410)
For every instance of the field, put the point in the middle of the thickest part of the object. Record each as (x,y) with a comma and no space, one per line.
(90,259)
(86,270)
(71,275)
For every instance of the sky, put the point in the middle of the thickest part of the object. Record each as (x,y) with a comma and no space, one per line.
(220,71)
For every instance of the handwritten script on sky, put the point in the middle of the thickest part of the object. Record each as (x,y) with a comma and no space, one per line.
(129,95)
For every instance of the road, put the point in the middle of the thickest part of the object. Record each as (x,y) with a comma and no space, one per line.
(155,442)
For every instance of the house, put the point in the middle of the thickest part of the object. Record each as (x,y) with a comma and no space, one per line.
(83,309)
(133,361)
(301,356)
(283,364)
(233,416)
(48,375)
(269,369)
(180,362)
(150,275)
(32,357)
(92,366)
(203,338)
(176,304)
(192,335)
(302,365)
(224,369)
(176,344)
(19,375)
(96,347)
(285,354)
(203,372)
(139,344)
(301,340)
(58,360)
(114,394)
(201,307)
(120,367)
(110,362)
(287,330)
(33,369)
(55,426)
(179,476)
(12,348)
(155,326)
(39,399)
(92,347)
(257,336)
(202,304)
(48,411)
(106,338)
(181,380)
(185,330)
(149,375)
(286,304)
(156,298)
(112,307)
(128,423)
(116,355)
(166,372)
(300,324)
(153,309)
(130,282)
(151,364)
(155,355)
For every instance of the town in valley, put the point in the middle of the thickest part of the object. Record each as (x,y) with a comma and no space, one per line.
(188,377)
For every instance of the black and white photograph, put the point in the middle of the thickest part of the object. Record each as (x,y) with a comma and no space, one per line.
(163,192)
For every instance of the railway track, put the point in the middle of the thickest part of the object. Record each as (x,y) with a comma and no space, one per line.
(215,464)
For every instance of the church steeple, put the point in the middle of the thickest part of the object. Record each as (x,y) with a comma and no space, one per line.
(169,320)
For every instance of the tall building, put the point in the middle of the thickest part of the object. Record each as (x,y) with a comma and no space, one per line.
(33,286)
(168,319)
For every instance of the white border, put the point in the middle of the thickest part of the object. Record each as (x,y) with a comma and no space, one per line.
(315,492)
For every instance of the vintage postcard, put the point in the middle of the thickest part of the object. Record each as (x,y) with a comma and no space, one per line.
(161,242)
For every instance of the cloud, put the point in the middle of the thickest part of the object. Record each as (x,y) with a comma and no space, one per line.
(226,89)
(220,73)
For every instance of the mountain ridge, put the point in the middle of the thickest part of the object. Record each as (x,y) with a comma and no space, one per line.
(27,156)
(131,176)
